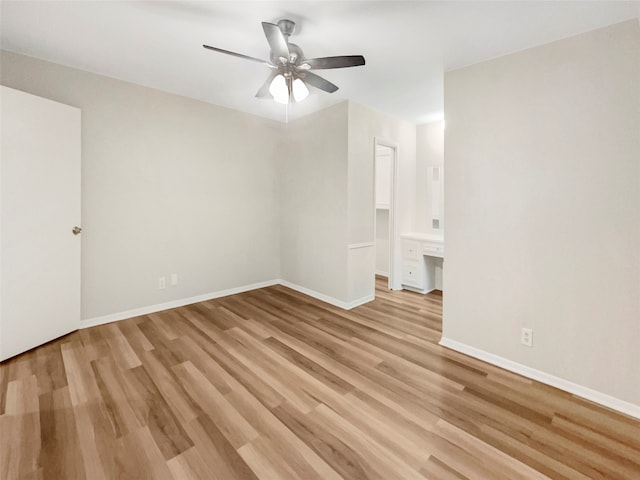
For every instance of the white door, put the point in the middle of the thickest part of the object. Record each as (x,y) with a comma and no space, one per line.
(40,205)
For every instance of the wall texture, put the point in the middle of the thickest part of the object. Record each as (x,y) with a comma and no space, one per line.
(222,198)
(365,125)
(327,199)
(169,185)
(543,208)
(313,198)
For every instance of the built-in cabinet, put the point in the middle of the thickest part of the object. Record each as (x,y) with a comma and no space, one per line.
(422,262)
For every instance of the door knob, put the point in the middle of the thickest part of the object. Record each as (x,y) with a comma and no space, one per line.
(76,230)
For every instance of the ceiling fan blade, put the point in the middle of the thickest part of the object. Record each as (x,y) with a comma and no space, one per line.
(277,42)
(335,62)
(263,92)
(239,55)
(319,82)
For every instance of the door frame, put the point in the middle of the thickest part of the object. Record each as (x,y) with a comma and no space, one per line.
(384,142)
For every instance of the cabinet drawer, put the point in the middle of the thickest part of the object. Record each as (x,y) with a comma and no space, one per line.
(410,249)
(411,274)
(433,249)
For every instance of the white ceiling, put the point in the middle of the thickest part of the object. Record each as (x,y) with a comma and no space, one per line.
(407,45)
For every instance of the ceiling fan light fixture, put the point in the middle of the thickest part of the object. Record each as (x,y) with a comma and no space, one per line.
(300,90)
(288,62)
(279,89)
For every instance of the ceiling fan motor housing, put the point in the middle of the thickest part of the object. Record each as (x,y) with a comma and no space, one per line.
(287,27)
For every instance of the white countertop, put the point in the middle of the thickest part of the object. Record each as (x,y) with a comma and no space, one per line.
(423,236)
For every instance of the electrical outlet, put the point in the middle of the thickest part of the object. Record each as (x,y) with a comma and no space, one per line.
(174,279)
(526,337)
(162,283)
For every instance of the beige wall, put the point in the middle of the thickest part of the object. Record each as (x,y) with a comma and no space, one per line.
(543,208)
(169,185)
(327,199)
(222,198)
(365,125)
(313,196)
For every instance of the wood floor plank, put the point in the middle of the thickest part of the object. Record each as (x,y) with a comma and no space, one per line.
(138,457)
(249,379)
(235,428)
(89,425)
(59,459)
(92,343)
(50,371)
(626,453)
(302,460)
(272,384)
(531,456)
(436,469)
(313,368)
(113,390)
(136,339)
(189,465)
(281,380)
(340,455)
(22,415)
(170,388)
(155,413)
(378,456)
(120,348)
(404,444)
(501,464)
(265,463)
(222,458)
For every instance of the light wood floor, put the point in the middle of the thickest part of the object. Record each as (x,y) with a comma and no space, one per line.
(272,384)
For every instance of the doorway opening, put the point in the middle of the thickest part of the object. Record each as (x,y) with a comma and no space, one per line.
(385,165)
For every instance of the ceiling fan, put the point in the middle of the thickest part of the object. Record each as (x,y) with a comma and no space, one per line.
(291,71)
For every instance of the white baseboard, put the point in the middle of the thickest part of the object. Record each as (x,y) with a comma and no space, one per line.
(353,246)
(417,290)
(543,377)
(114,317)
(327,299)
(136,312)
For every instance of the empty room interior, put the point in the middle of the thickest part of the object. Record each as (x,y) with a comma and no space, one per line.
(320,240)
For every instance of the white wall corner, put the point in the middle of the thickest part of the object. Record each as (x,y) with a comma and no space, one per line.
(136,312)
(581,391)
(327,299)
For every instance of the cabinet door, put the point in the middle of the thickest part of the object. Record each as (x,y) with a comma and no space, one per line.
(40,205)
(410,249)
(412,274)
